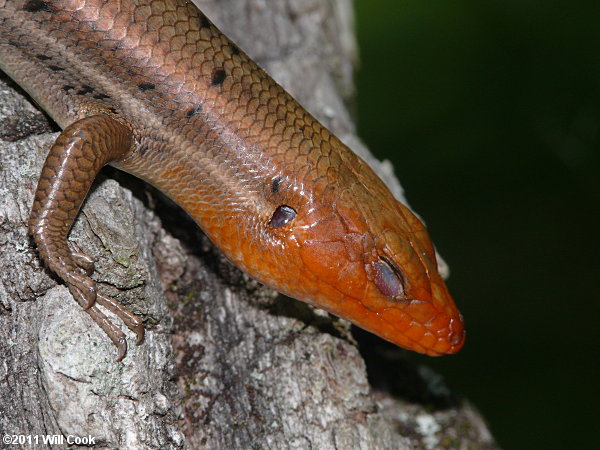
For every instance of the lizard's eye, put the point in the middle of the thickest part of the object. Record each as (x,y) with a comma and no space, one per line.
(282,215)
(388,278)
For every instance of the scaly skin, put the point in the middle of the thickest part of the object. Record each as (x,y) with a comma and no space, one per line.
(282,197)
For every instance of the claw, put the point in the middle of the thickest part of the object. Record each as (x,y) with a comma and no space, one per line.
(140,333)
(133,322)
(111,330)
(122,347)
(115,335)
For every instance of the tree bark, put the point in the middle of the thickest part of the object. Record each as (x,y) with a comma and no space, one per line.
(227,363)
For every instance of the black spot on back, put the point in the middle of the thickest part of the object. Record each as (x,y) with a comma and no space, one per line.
(85,89)
(68,87)
(204,22)
(15,43)
(195,110)
(101,96)
(42,57)
(37,6)
(235,50)
(146,86)
(218,77)
(54,68)
(275,185)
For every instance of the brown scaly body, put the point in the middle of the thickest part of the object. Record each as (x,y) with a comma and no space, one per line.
(155,89)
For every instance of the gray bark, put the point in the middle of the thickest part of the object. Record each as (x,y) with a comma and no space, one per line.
(226,363)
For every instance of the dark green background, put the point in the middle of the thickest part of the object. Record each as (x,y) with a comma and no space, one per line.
(490,112)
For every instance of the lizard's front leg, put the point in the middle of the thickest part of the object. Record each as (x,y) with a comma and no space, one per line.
(75,159)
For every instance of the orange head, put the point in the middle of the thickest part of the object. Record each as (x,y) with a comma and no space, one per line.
(329,232)
(368,258)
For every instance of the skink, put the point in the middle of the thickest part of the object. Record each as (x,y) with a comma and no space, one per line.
(155,89)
